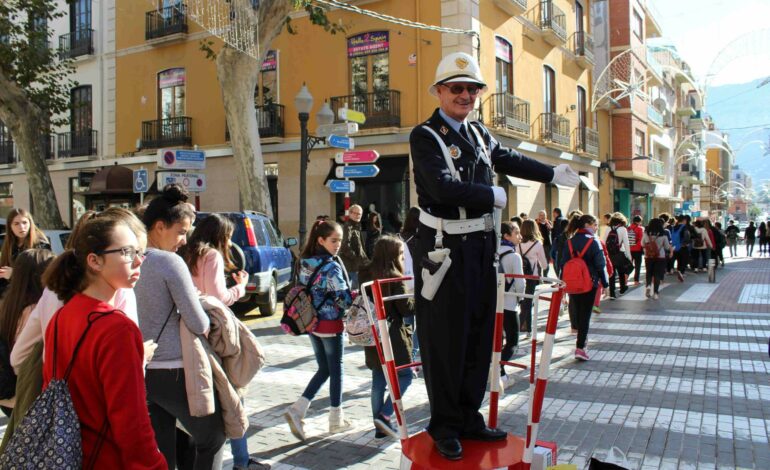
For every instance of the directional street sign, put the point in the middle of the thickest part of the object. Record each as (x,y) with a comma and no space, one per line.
(141,181)
(341,186)
(357,156)
(340,142)
(342,128)
(351,115)
(357,171)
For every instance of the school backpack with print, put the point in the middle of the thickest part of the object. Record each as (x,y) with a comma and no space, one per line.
(631,236)
(698,241)
(300,314)
(575,273)
(48,436)
(651,249)
(358,326)
(613,242)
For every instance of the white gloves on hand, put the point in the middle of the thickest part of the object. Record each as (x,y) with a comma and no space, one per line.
(563,175)
(501,199)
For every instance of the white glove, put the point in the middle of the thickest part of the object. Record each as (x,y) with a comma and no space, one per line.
(563,175)
(500,198)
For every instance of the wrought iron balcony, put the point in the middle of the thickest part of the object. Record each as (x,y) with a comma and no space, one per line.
(176,131)
(76,43)
(587,141)
(510,112)
(7,152)
(553,23)
(165,21)
(554,129)
(381,108)
(80,143)
(512,7)
(583,48)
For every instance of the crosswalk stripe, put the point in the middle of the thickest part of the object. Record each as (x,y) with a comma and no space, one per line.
(755,294)
(698,293)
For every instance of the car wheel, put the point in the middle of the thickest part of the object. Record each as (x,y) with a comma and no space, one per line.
(269,308)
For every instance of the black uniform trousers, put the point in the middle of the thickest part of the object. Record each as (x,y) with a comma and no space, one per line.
(456,330)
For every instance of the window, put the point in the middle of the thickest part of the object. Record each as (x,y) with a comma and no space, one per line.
(581,107)
(637,25)
(267,86)
(639,143)
(549,90)
(369,64)
(80,15)
(171,93)
(259,232)
(579,17)
(503,66)
(80,111)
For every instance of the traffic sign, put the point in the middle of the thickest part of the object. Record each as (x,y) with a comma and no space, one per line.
(347,114)
(342,128)
(181,159)
(340,142)
(192,182)
(341,186)
(357,156)
(357,171)
(141,181)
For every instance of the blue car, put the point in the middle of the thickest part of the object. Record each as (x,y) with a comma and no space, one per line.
(260,250)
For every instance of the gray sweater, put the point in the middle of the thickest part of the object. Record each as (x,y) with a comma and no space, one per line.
(166,283)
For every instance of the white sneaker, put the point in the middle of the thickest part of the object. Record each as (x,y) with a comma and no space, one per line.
(656,296)
(337,422)
(296,424)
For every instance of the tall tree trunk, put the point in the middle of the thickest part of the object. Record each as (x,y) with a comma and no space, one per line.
(238,75)
(25,120)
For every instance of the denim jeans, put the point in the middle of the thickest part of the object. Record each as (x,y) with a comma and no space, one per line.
(328,355)
(380,406)
(240,450)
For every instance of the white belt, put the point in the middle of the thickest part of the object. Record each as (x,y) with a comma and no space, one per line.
(485,223)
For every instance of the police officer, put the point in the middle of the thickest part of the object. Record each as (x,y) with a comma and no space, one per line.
(453,162)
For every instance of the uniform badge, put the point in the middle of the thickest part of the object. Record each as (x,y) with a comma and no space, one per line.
(454,152)
(444,130)
(461,63)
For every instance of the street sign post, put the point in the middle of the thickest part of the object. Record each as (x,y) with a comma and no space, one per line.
(357,171)
(357,156)
(141,183)
(342,128)
(341,186)
(181,159)
(347,114)
(340,142)
(192,182)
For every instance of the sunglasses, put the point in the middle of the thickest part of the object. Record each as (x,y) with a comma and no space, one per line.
(459,89)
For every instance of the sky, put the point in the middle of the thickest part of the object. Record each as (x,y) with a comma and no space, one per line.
(702,29)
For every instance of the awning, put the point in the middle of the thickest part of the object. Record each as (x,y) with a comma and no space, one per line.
(517,182)
(588,184)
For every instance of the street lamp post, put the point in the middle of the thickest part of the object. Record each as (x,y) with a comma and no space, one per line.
(304,104)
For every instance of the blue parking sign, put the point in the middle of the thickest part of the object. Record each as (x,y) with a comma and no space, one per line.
(141,180)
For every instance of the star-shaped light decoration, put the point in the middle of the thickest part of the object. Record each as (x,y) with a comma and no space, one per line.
(631,89)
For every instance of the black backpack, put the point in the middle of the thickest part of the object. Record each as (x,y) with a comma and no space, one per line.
(613,242)
(526,264)
(7,376)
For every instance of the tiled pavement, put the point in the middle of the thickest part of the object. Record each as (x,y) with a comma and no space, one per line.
(673,383)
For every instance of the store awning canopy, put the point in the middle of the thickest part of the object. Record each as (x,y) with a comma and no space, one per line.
(588,184)
(517,182)
(115,179)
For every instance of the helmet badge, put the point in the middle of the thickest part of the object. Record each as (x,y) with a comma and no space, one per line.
(461,63)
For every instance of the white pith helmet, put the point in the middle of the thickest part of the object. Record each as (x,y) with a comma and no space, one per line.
(457,67)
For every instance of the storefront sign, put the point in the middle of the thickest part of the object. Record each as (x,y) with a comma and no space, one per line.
(271,61)
(192,182)
(374,42)
(642,187)
(171,77)
(502,49)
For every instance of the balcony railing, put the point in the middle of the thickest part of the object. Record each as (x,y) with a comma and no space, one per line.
(554,128)
(653,63)
(76,43)
(654,116)
(7,152)
(655,167)
(176,131)
(81,143)
(583,47)
(510,112)
(165,21)
(587,141)
(381,108)
(553,22)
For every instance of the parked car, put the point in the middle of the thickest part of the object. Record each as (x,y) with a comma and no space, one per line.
(260,250)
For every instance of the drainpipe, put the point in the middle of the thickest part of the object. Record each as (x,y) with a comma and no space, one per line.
(418,47)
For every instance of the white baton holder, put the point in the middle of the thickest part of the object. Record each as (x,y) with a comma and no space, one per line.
(432,282)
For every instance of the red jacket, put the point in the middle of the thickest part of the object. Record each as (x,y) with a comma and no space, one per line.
(639,232)
(106,382)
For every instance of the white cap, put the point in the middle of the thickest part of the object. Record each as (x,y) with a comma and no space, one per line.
(457,67)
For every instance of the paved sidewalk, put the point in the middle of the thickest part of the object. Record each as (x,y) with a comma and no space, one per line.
(677,383)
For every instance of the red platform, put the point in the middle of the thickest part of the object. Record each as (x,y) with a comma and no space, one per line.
(419,453)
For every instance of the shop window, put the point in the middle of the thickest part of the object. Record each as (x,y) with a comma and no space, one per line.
(503,66)
(171,93)
(369,62)
(549,90)
(81,109)
(639,143)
